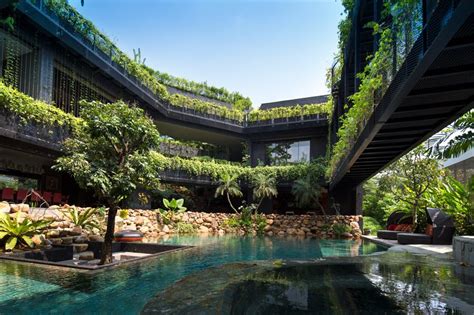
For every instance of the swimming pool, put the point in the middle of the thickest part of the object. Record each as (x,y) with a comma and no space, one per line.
(391,283)
(25,288)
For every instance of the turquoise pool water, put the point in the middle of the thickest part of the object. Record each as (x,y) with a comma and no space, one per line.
(29,289)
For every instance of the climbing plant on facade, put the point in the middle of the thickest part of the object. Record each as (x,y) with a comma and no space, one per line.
(399,23)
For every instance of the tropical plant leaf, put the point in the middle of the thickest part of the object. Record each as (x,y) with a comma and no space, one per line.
(11,243)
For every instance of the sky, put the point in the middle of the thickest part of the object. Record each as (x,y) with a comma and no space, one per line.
(267,50)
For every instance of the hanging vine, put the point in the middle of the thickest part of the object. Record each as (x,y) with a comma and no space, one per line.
(399,28)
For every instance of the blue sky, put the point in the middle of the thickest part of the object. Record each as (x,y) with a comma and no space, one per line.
(267,50)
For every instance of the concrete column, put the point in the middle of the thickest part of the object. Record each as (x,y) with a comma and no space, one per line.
(46,73)
(257,153)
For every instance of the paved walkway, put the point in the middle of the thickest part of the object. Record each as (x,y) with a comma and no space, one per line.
(424,249)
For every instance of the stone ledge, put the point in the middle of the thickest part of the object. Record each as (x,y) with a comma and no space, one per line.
(463,250)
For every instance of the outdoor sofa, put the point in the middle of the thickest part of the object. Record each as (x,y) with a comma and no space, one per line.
(397,222)
(440,230)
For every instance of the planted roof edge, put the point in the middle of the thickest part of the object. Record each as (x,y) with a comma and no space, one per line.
(318,99)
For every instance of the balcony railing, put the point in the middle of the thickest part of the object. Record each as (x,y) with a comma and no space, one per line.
(34,133)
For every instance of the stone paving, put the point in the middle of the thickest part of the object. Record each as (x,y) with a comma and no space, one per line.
(423,249)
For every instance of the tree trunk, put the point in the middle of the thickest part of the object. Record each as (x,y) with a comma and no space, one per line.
(109,237)
(321,207)
(231,205)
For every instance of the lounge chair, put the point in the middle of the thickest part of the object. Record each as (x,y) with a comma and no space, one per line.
(394,221)
(440,230)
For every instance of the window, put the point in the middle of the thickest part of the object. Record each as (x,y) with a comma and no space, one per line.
(17,182)
(288,152)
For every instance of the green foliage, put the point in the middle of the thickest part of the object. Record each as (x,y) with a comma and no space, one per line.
(243,104)
(372,224)
(307,192)
(380,197)
(416,174)
(18,231)
(414,183)
(172,207)
(245,216)
(376,76)
(455,199)
(232,222)
(229,187)
(91,34)
(260,222)
(202,88)
(247,219)
(29,110)
(85,218)
(289,112)
(154,80)
(185,228)
(204,107)
(264,186)
(462,142)
(123,213)
(110,152)
(340,228)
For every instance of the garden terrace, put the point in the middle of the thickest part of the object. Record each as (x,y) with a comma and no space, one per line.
(432,85)
(70,29)
(44,124)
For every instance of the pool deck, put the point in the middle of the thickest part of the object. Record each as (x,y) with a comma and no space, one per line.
(444,251)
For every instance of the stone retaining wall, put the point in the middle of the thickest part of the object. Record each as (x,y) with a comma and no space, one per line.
(151,224)
(148,222)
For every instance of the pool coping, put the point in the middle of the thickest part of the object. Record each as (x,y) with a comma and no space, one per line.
(442,251)
(92,268)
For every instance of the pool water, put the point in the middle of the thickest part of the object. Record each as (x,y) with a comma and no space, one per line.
(30,289)
(391,283)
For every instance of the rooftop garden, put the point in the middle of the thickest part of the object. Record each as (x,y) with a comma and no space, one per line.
(155,80)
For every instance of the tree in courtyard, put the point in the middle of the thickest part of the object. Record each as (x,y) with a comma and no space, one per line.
(109,154)
(264,186)
(416,174)
(229,187)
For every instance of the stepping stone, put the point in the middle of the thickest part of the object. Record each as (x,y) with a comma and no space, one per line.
(79,248)
(86,255)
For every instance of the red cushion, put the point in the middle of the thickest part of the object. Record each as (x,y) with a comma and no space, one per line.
(392,227)
(429,230)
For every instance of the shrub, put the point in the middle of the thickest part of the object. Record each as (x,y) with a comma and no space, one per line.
(340,228)
(185,228)
(172,207)
(85,219)
(123,213)
(18,232)
(372,224)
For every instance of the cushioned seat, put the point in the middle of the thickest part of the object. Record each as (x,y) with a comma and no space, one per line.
(414,238)
(388,234)
(128,236)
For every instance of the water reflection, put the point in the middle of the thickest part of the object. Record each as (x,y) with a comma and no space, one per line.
(382,284)
(126,289)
